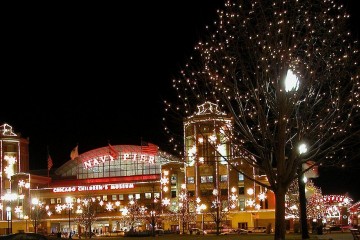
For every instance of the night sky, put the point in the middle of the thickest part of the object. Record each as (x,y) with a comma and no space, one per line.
(90,74)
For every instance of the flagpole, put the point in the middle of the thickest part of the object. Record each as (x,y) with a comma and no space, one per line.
(47,161)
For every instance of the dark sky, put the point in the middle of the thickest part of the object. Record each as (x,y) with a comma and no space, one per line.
(93,73)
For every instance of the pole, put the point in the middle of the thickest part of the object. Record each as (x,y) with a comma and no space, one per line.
(202,222)
(8,222)
(69,223)
(302,200)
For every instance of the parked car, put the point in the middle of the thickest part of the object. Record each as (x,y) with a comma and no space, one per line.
(259,229)
(242,231)
(197,231)
(159,231)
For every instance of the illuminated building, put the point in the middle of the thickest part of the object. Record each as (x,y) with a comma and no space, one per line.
(115,176)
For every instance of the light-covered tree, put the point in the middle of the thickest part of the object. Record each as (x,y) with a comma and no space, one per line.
(86,214)
(287,73)
(37,213)
(185,209)
(315,209)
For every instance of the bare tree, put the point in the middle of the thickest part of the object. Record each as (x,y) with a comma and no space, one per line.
(244,65)
(217,211)
(37,213)
(86,214)
(185,209)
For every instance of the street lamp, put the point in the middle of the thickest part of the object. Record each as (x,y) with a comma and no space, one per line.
(8,218)
(202,208)
(68,201)
(35,202)
(26,217)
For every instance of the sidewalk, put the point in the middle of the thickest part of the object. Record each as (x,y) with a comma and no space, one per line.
(250,236)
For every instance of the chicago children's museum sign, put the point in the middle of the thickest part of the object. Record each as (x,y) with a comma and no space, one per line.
(93,187)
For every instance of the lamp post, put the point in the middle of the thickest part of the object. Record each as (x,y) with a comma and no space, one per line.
(8,218)
(69,206)
(202,207)
(35,202)
(302,196)
(26,217)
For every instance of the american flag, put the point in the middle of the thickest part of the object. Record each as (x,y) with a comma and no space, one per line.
(149,148)
(49,162)
(113,152)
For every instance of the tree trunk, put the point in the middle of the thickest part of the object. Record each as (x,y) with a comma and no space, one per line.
(280,227)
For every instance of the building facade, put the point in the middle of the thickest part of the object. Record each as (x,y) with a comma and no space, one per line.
(138,187)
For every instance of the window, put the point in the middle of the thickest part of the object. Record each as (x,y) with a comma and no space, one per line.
(121,197)
(137,196)
(241,190)
(223,178)
(105,198)
(206,179)
(173,194)
(113,197)
(241,177)
(224,192)
(147,195)
(130,196)
(203,179)
(157,195)
(242,204)
(58,200)
(191,193)
(52,201)
(173,179)
(190,180)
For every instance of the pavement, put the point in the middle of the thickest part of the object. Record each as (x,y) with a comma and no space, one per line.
(250,236)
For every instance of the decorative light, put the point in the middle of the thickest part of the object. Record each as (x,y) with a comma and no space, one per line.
(124,211)
(164,180)
(17,209)
(21,183)
(109,206)
(262,196)
(165,202)
(250,191)
(58,208)
(250,202)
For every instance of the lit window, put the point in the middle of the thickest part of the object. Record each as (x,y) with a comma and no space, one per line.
(190,180)
(148,195)
(121,197)
(113,197)
(137,196)
(241,177)
(223,178)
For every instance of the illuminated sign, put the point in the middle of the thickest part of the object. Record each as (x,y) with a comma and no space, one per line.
(94,187)
(123,156)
